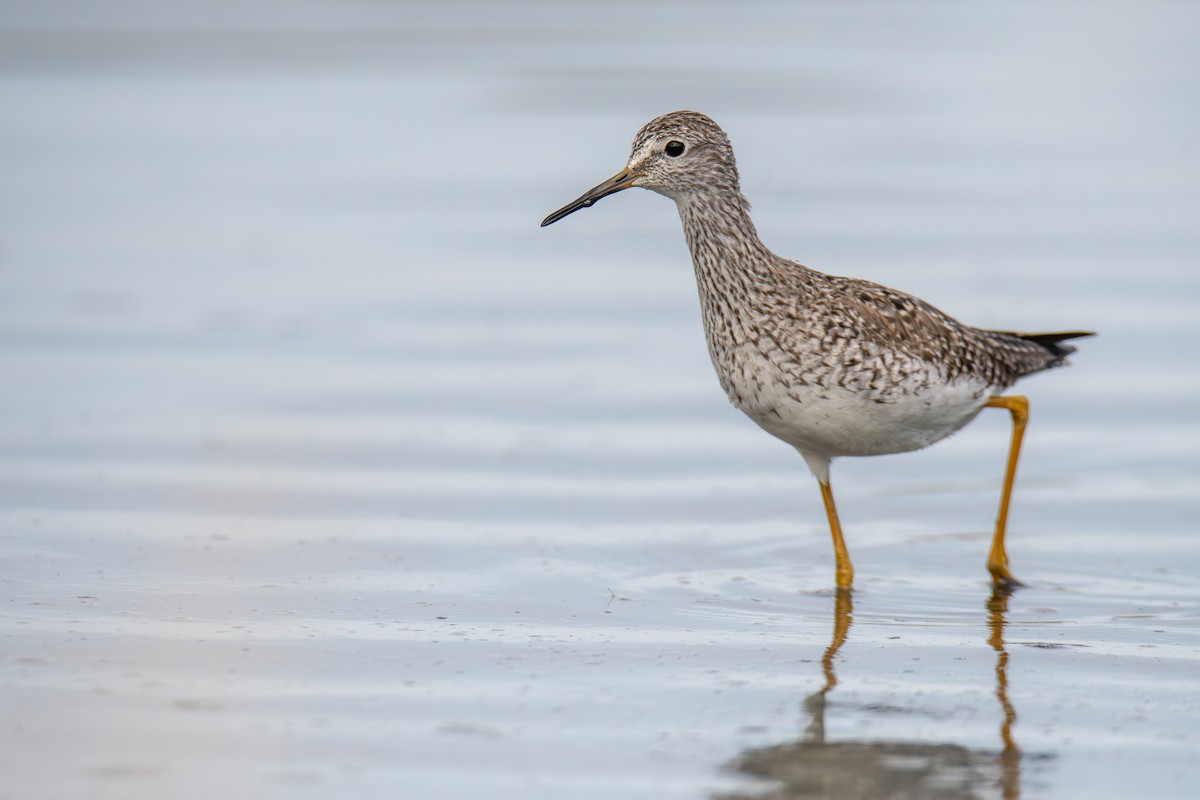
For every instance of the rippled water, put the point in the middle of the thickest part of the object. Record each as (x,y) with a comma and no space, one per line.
(324,472)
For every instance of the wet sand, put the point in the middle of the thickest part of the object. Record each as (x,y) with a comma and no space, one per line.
(325,473)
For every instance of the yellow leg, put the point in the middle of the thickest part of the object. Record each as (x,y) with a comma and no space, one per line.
(997,562)
(845,570)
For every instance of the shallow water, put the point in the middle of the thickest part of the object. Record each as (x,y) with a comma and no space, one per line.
(324,472)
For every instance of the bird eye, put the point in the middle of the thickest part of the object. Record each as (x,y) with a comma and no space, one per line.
(674,149)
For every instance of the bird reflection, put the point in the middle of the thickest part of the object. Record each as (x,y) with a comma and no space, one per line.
(814,704)
(1010,756)
(813,767)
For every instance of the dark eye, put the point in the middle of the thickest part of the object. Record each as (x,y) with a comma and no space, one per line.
(674,149)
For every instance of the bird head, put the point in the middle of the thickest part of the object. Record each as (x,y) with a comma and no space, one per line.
(677,155)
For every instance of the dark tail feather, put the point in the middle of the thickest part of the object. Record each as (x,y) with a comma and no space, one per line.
(1034,352)
(1053,341)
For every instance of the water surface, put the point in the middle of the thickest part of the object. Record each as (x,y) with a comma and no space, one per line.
(324,472)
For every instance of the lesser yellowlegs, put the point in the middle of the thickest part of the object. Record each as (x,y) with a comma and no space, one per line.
(833,366)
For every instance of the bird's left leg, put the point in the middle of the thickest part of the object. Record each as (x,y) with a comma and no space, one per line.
(997,562)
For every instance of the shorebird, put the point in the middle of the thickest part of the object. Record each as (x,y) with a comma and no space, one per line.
(833,366)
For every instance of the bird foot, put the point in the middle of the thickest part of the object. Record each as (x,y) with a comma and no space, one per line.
(1003,580)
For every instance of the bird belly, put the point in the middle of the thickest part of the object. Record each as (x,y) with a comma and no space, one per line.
(832,420)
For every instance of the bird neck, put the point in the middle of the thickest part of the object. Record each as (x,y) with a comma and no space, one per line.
(732,264)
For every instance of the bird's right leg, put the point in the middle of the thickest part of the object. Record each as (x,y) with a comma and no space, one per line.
(845,570)
(820,468)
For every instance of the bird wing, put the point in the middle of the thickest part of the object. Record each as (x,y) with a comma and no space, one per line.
(913,326)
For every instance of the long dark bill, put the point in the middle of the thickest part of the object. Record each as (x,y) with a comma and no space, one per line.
(622,180)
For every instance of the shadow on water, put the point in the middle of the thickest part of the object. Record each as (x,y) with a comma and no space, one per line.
(814,767)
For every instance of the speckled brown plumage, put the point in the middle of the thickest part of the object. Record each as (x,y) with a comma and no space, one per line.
(834,366)
(840,318)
